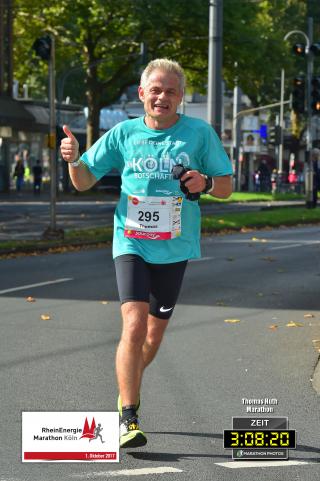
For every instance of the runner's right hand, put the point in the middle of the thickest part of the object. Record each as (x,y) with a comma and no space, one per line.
(69,146)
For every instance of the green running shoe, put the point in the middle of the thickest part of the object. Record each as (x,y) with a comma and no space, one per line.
(120,405)
(131,435)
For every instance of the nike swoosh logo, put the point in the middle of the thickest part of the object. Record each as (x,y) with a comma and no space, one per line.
(163,309)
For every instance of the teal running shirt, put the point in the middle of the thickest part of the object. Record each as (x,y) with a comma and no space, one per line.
(153,219)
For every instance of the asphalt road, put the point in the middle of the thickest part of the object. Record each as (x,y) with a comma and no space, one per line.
(205,367)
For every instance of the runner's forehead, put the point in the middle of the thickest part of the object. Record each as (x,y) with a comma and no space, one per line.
(161,78)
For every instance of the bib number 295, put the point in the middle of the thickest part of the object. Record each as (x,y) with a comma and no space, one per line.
(146,216)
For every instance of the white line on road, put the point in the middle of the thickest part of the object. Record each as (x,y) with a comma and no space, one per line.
(129,472)
(290,246)
(40,284)
(202,259)
(260,464)
(302,243)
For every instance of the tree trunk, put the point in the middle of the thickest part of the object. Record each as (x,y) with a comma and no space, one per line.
(93,119)
(93,98)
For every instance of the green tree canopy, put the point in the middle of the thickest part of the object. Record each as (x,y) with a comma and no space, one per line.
(98,45)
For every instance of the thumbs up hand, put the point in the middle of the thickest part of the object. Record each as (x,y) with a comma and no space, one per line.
(69,146)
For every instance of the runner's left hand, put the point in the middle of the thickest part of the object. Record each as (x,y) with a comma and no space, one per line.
(195,181)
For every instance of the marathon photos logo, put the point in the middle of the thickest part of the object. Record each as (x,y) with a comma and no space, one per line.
(70,437)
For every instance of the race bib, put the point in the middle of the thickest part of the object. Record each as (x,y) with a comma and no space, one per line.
(153,218)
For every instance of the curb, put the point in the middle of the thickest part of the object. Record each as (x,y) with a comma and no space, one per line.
(316,378)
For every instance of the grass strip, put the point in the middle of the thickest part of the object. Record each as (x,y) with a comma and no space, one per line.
(228,222)
(252,197)
(277,217)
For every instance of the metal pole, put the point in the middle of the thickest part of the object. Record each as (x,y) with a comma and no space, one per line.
(308,160)
(9,48)
(215,64)
(53,169)
(280,166)
(236,135)
(52,232)
(2,55)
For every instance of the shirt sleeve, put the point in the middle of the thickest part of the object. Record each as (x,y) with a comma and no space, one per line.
(214,158)
(104,155)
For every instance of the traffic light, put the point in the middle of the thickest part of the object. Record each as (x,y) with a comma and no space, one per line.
(315,95)
(275,135)
(299,49)
(298,95)
(42,47)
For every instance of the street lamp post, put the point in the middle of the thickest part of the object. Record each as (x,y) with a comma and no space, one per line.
(308,161)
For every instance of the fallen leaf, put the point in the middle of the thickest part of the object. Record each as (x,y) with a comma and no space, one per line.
(294,324)
(268,258)
(308,316)
(45,317)
(104,302)
(255,239)
(30,299)
(230,258)
(316,344)
(260,294)
(232,321)
(273,327)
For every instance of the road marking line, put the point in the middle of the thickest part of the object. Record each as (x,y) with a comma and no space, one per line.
(202,259)
(291,246)
(129,472)
(40,284)
(260,464)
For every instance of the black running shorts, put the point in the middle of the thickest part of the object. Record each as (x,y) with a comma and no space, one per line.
(157,284)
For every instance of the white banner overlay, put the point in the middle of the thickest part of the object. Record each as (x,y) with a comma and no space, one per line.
(70,437)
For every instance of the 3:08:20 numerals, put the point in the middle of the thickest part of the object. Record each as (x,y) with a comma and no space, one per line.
(259,439)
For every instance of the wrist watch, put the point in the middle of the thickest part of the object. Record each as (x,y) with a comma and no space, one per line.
(209,185)
(76,162)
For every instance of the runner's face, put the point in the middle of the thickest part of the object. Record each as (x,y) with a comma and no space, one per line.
(161,97)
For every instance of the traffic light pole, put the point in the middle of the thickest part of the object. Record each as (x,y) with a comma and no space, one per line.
(52,232)
(308,159)
(280,158)
(215,65)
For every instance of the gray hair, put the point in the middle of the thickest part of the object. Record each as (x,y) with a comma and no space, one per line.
(167,66)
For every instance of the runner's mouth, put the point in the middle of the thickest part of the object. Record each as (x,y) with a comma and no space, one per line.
(159,106)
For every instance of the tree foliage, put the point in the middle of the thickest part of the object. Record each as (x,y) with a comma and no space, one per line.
(98,45)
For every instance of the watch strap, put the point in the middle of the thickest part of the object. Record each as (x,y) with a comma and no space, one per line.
(75,163)
(209,185)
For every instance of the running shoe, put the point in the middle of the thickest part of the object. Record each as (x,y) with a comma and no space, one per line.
(120,405)
(131,435)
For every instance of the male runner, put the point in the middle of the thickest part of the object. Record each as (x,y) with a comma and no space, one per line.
(156,228)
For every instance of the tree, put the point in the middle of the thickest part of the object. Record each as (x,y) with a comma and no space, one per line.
(98,44)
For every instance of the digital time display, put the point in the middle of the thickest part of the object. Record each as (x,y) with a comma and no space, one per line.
(255,439)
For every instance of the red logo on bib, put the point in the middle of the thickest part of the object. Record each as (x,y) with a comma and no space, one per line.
(135,201)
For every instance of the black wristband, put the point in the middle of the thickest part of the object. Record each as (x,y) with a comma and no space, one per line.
(209,185)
